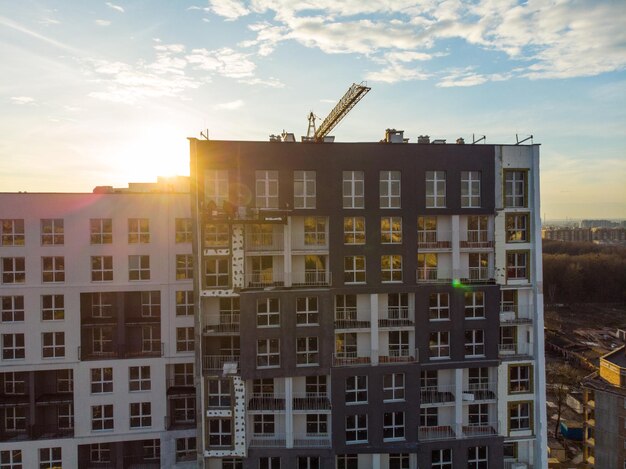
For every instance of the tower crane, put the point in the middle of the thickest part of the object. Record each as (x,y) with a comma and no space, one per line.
(355,93)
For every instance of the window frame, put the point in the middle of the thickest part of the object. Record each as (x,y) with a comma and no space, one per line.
(307,311)
(12,232)
(356,429)
(471,189)
(266,189)
(304,189)
(391,268)
(184,303)
(475,308)
(183,230)
(474,343)
(435,182)
(100,231)
(139,378)
(307,351)
(140,415)
(138,267)
(52,231)
(354,231)
(221,279)
(353,272)
(12,308)
(391,230)
(53,345)
(184,267)
(438,347)
(394,387)
(517,270)
(101,268)
(268,353)
(356,390)
(517,227)
(16,350)
(102,379)
(185,339)
(389,187)
(138,230)
(353,189)
(439,311)
(393,426)
(102,418)
(519,384)
(13,270)
(512,187)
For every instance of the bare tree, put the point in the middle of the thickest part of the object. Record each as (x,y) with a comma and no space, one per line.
(561,378)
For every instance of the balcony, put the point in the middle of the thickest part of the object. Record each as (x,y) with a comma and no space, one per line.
(352,358)
(441,394)
(515,314)
(263,402)
(120,351)
(434,240)
(473,239)
(480,430)
(178,422)
(480,391)
(141,320)
(436,432)
(399,356)
(267,440)
(140,462)
(521,349)
(476,275)
(310,401)
(264,279)
(311,279)
(264,242)
(179,388)
(433,275)
(351,323)
(516,464)
(397,316)
(311,440)
(221,324)
(214,364)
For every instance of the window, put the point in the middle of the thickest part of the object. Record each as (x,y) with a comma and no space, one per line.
(441,459)
(236,463)
(186,449)
(216,187)
(14,383)
(439,345)
(517,227)
(100,452)
(102,340)
(474,305)
(356,390)
(515,188)
(427,266)
(345,307)
(272,462)
(52,269)
(140,414)
(184,409)
(345,345)
(391,268)
(393,426)
(184,267)
(478,414)
(356,428)
(477,231)
(354,230)
(435,189)
(263,424)
(268,312)
(184,339)
(477,457)
(427,233)
(353,189)
(101,268)
(304,189)
(13,346)
(390,230)
(53,344)
(267,353)
(429,381)
(393,387)
(315,386)
(307,351)
(12,232)
(517,265)
(220,392)
(266,189)
(151,339)
(479,267)
(306,311)
(13,270)
(316,424)
(308,462)
(52,232)
(220,432)
(439,307)
(184,303)
(315,231)
(65,381)
(520,378)
(474,343)
(11,459)
(101,380)
(138,230)
(183,230)
(12,308)
(389,187)
(152,449)
(139,378)
(478,379)
(138,267)
(50,458)
(399,344)
(101,230)
(102,417)
(52,308)
(470,189)
(519,415)
(15,419)
(150,304)
(354,269)
(183,374)
(347,461)
(216,235)
(398,461)
(216,272)
(65,416)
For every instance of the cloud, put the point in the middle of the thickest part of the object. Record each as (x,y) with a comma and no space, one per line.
(396,72)
(225,61)
(48,21)
(22,100)
(229,9)
(18,27)
(103,22)
(115,7)
(230,106)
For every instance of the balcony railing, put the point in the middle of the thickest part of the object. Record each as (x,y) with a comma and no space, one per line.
(156,349)
(427,240)
(222,323)
(397,316)
(399,356)
(516,464)
(311,401)
(480,430)
(440,394)
(257,242)
(264,279)
(480,391)
(515,314)
(475,274)
(351,323)
(180,387)
(265,440)
(514,350)
(274,402)
(311,440)
(436,432)
(215,363)
(473,239)
(310,279)
(433,275)
(351,358)
(173,422)
(49,431)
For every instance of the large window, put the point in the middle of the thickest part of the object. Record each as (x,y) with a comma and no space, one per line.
(479,266)
(216,187)
(52,231)
(393,387)
(267,353)
(184,267)
(11,459)
(53,269)
(308,462)
(316,424)
(102,340)
(439,345)
(354,269)
(478,414)
(517,227)
(515,188)
(356,390)
(470,189)
(520,378)
(101,268)
(138,230)
(391,268)
(398,344)
(139,378)
(101,305)
(477,457)
(101,230)
(441,459)
(12,232)
(184,339)
(53,344)
(439,307)
(517,265)
(398,461)
(150,304)
(140,414)
(307,351)
(183,230)
(138,267)
(393,426)
(13,346)
(65,416)
(347,461)
(13,270)
(269,462)
(151,339)
(356,428)
(266,189)
(307,313)
(14,383)
(220,432)
(478,231)
(474,343)
(427,266)
(101,380)
(391,230)
(304,190)
(389,187)
(435,189)
(102,417)
(264,424)
(268,312)
(185,449)
(216,272)
(519,415)
(12,308)
(184,303)
(474,305)
(50,458)
(216,235)
(15,419)
(219,392)
(315,231)
(354,230)
(183,374)
(353,189)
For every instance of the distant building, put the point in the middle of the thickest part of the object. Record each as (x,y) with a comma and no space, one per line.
(585,235)
(604,400)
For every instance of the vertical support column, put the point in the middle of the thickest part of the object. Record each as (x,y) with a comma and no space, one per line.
(376,461)
(374,346)
(458,401)
(456,252)
(289,412)
(237,257)
(287,267)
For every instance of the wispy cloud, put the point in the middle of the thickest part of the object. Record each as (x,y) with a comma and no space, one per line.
(22,29)
(103,22)
(229,9)
(48,21)
(22,100)
(229,106)
(115,7)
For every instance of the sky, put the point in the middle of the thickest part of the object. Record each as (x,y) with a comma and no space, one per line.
(104,93)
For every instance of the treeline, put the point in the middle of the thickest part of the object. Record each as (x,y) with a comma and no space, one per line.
(583,273)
